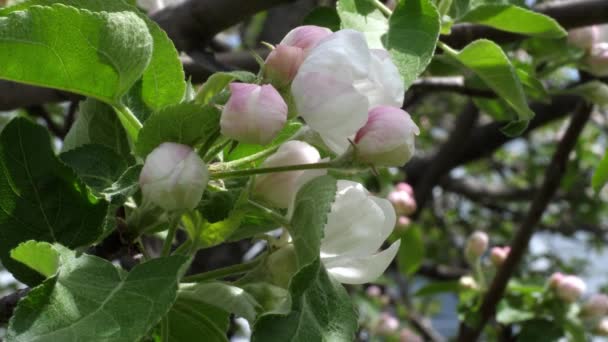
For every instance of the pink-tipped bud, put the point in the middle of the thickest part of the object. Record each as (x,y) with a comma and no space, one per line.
(282,64)
(388,324)
(305,37)
(403,202)
(173,177)
(595,307)
(403,222)
(584,37)
(387,139)
(406,335)
(468,283)
(253,114)
(476,245)
(570,288)
(280,188)
(373,291)
(601,328)
(402,186)
(555,279)
(498,255)
(597,61)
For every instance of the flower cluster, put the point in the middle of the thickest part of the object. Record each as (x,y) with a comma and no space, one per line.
(594,40)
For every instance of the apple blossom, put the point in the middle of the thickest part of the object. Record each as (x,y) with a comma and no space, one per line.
(173,177)
(403,222)
(356,228)
(597,61)
(476,245)
(570,288)
(283,62)
(253,114)
(584,37)
(387,324)
(596,306)
(498,255)
(404,202)
(555,279)
(373,291)
(387,139)
(280,188)
(403,186)
(339,82)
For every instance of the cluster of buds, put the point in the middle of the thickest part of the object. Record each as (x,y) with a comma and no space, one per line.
(568,288)
(402,199)
(594,40)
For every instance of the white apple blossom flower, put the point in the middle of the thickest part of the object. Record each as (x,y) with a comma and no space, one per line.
(280,188)
(173,177)
(339,81)
(356,227)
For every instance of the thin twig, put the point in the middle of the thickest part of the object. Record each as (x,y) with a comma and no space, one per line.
(553,176)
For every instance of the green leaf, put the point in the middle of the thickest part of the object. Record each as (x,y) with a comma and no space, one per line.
(594,91)
(540,330)
(509,315)
(100,55)
(435,288)
(489,62)
(163,81)
(97,166)
(533,87)
(411,251)
(312,205)
(90,299)
(363,16)
(39,256)
(412,36)
(600,176)
(191,319)
(321,310)
(515,19)
(218,82)
(324,17)
(184,123)
(125,186)
(97,124)
(226,297)
(41,198)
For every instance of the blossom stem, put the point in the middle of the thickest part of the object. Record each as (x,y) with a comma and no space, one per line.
(250,159)
(129,121)
(382,7)
(173,223)
(142,247)
(273,214)
(213,151)
(223,272)
(261,170)
(447,49)
(164,329)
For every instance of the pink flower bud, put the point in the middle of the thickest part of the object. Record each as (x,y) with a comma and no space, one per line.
(584,37)
(373,291)
(387,139)
(597,61)
(601,328)
(403,202)
(555,279)
(282,64)
(305,37)
(402,186)
(468,283)
(498,255)
(570,288)
(595,307)
(476,245)
(406,335)
(254,114)
(280,188)
(173,177)
(402,223)
(388,324)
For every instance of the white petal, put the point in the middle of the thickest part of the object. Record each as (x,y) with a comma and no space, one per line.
(390,89)
(361,270)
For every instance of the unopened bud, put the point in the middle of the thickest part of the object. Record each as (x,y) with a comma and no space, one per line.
(253,114)
(282,64)
(387,139)
(597,61)
(388,324)
(403,223)
(305,37)
(468,283)
(280,188)
(584,37)
(601,328)
(173,177)
(498,255)
(373,291)
(404,203)
(402,186)
(595,307)
(570,288)
(476,245)
(555,279)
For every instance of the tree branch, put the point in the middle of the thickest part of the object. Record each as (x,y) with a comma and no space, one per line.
(8,304)
(449,84)
(553,176)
